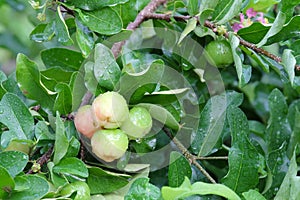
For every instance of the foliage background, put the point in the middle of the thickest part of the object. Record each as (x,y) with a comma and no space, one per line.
(53,52)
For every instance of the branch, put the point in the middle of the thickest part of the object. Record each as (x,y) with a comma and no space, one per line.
(193,159)
(142,16)
(212,26)
(43,159)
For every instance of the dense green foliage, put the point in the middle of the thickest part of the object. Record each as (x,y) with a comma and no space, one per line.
(237,125)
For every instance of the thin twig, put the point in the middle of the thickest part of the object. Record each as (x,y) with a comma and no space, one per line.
(212,26)
(43,159)
(142,16)
(193,159)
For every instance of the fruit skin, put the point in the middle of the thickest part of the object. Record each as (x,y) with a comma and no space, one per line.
(86,122)
(138,124)
(218,53)
(109,144)
(110,109)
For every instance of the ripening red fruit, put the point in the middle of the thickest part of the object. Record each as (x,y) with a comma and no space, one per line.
(110,144)
(86,122)
(110,109)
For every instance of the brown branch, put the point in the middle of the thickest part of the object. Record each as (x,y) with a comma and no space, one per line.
(212,26)
(192,158)
(43,159)
(142,16)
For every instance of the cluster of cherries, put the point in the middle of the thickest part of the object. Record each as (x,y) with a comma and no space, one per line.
(109,124)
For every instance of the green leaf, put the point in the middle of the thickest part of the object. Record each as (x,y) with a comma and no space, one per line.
(161,114)
(16,116)
(253,195)
(275,28)
(57,180)
(100,181)
(258,59)
(142,189)
(43,32)
(285,191)
(193,7)
(65,58)
(94,4)
(179,168)
(190,26)
(63,101)
(243,158)
(54,75)
(105,21)
(106,69)
(29,80)
(72,166)
(293,118)
(42,132)
(288,31)
(84,38)
(37,188)
(61,29)
(6,184)
(90,80)
(201,31)
(206,9)
(289,63)
(278,129)
(212,120)
(254,33)
(200,188)
(80,188)
(226,10)
(243,71)
(61,141)
(74,147)
(288,7)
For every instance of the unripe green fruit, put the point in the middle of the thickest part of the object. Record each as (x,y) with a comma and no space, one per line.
(219,53)
(86,122)
(110,109)
(109,144)
(138,124)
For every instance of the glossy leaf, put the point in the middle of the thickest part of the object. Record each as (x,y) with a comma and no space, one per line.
(275,28)
(253,195)
(80,188)
(288,7)
(43,32)
(285,190)
(278,129)
(100,181)
(141,188)
(57,180)
(193,7)
(190,26)
(199,188)
(90,80)
(63,100)
(38,187)
(65,58)
(29,79)
(253,33)
(179,168)
(94,4)
(243,71)
(288,31)
(61,29)
(84,38)
(42,132)
(106,69)
(289,63)
(61,141)
(212,121)
(104,21)
(161,114)
(72,166)
(6,184)
(16,116)
(226,10)
(243,158)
